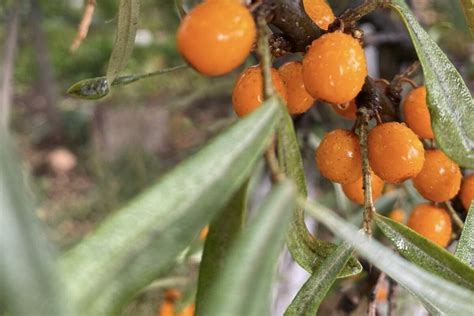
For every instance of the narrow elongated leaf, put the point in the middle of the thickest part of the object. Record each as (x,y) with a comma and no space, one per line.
(142,240)
(449,100)
(28,284)
(223,232)
(244,285)
(307,251)
(468,8)
(129,11)
(425,253)
(313,292)
(455,300)
(465,247)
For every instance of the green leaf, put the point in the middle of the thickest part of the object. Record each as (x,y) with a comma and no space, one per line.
(449,100)
(439,295)
(223,232)
(129,11)
(425,253)
(243,286)
(315,289)
(465,247)
(28,285)
(142,240)
(307,251)
(468,8)
(90,89)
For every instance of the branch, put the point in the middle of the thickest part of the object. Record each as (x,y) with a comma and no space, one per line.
(83,28)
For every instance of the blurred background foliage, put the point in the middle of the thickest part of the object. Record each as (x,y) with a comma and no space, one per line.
(88,158)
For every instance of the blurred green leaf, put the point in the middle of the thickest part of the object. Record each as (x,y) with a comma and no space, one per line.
(455,300)
(28,284)
(304,248)
(468,8)
(128,14)
(465,247)
(315,289)
(90,89)
(223,232)
(450,102)
(243,286)
(425,253)
(142,240)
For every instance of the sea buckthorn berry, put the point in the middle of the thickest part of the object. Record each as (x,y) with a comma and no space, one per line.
(398,215)
(187,311)
(432,222)
(347,110)
(216,36)
(439,179)
(248,91)
(203,233)
(320,12)
(467,191)
(355,193)
(416,113)
(334,68)
(395,152)
(338,156)
(299,100)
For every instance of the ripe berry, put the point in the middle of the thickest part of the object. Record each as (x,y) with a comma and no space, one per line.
(248,91)
(439,179)
(432,222)
(203,233)
(334,68)
(398,215)
(338,156)
(355,193)
(299,100)
(347,110)
(467,191)
(320,12)
(216,36)
(416,113)
(395,152)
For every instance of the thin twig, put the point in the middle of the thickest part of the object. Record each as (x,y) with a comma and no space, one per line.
(273,164)
(349,18)
(392,298)
(83,28)
(372,308)
(457,220)
(265,57)
(369,208)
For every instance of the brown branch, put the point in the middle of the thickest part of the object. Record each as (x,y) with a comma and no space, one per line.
(83,28)
(265,57)
(372,307)
(369,208)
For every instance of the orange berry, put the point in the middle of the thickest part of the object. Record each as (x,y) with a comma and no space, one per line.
(398,215)
(467,191)
(338,156)
(355,193)
(204,232)
(382,293)
(334,68)
(166,309)
(440,178)
(395,152)
(416,113)
(347,110)
(432,222)
(299,100)
(320,12)
(248,90)
(216,36)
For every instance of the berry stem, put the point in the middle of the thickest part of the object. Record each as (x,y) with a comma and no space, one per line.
(369,208)
(456,219)
(272,161)
(265,57)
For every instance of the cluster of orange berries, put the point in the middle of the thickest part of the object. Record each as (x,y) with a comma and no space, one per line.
(168,306)
(218,35)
